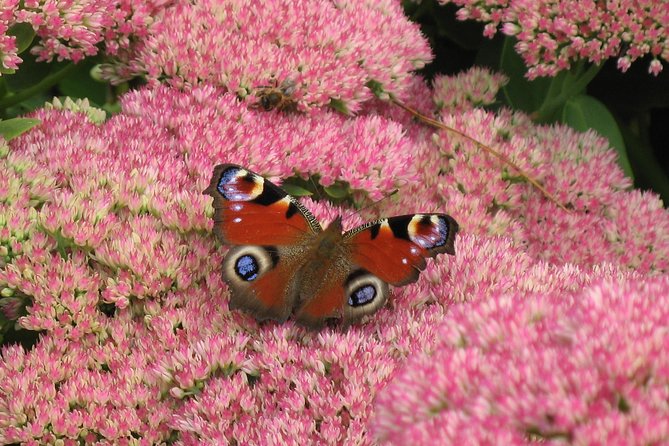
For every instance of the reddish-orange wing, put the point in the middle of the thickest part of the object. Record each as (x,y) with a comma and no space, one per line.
(284,262)
(394,249)
(249,210)
(270,229)
(389,251)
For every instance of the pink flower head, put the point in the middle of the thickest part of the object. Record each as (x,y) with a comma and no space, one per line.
(476,87)
(544,323)
(488,197)
(589,367)
(326,52)
(73,30)
(552,34)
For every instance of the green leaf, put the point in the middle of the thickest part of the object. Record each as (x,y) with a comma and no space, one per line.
(24,34)
(30,73)
(337,191)
(648,170)
(295,190)
(80,83)
(339,105)
(11,128)
(584,112)
(520,93)
(377,88)
(27,105)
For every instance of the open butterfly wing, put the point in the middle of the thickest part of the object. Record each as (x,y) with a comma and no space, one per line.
(275,237)
(250,210)
(394,249)
(391,251)
(350,296)
(263,280)
(270,229)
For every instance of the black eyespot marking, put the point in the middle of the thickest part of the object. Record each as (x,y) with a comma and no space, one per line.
(355,274)
(362,295)
(400,226)
(268,196)
(273,254)
(431,234)
(425,220)
(249,178)
(247,268)
(375,230)
(292,210)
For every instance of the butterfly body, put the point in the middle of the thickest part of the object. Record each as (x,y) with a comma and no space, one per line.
(284,263)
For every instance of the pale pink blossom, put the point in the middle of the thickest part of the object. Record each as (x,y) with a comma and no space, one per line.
(579,169)
(329,52)
(588,366)
(8,49)
(75,29)
(106,249)
(476,87)
(553,34)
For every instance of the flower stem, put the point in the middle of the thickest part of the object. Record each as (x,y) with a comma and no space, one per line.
(574,83)
(490,150)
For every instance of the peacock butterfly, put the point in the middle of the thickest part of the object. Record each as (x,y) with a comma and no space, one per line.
(284,263)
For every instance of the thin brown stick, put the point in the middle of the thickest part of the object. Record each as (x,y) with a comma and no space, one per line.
(490,150)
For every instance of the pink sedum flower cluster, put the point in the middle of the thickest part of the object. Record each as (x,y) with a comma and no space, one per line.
(327,52)
(488,197)
(585,367)
(553,34)
(73,30)
(8,49)
(106,249)
(476,87)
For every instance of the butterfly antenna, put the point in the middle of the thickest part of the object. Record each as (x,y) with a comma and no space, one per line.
(490,150)
(377,202)
(318,192)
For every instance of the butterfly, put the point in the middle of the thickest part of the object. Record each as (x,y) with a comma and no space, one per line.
(283,263)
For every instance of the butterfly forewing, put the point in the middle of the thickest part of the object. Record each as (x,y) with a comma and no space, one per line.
(250,210)
(272,231)
(394,249)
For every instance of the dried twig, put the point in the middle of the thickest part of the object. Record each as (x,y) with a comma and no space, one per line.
(490,150)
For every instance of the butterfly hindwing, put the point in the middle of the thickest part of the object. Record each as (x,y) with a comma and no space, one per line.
(388,251)
(263,279)
(250,210)
(348,294)
(394,249)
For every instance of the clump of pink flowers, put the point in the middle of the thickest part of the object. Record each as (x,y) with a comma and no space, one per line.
(9,59)
(476,87)
(546,325)
(73,30)
(108,252)
(327,52)
(553,34)
(489,197)
(584,367)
